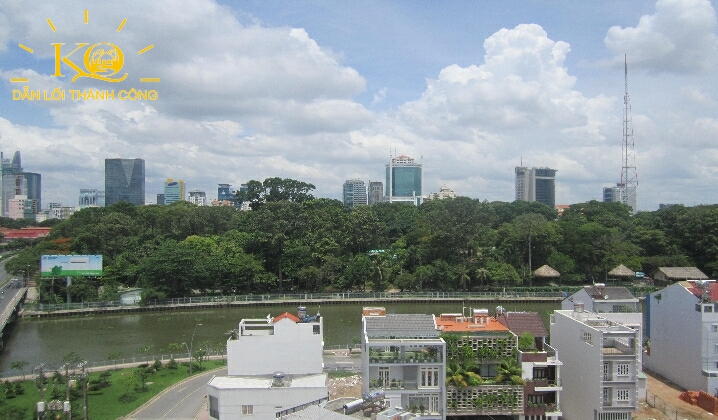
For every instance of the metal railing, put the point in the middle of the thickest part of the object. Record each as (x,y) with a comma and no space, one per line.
(371,296)
(671,412)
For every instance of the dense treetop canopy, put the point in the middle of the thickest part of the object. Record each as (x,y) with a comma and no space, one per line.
(294,242)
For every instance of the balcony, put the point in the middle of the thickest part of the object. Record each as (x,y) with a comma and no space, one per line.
(613,347)
(395,384)
(541,409)
(545,385)
(417,357)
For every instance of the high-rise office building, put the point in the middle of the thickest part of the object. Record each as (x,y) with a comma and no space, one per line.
(403,180)
(354,193)
(198,198)
(536,184)
(225,192)
(620,194)
(91,198)
(174,191)
(15,182)
(160,199)
(125,181)
(33,181)
(376,192)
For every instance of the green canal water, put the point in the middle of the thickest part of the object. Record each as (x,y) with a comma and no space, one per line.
(93,337)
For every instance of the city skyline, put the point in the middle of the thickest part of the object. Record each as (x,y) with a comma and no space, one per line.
(470,86)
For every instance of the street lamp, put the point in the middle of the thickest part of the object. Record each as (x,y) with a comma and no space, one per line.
(190,348)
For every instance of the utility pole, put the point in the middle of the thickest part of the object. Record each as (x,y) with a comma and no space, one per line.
(84,389)
(67,389)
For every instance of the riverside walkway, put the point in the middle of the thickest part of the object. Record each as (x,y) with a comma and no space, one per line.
(368,298)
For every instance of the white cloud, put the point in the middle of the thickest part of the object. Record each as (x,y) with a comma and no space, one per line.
(679,37)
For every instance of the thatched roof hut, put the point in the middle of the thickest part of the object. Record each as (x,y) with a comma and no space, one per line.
(546,272)
(622,271)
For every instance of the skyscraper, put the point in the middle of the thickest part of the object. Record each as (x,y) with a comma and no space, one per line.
(174,191)
(33,181)
(376,192)
(536,184)
(354,193)
(15,182)
(403,180)
(125,181)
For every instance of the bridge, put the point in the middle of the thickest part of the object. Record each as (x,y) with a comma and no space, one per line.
(12,295)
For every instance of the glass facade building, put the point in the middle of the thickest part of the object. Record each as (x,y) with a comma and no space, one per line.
(536,184)
(354,193)
(174,191)
(125,181)
(403,180)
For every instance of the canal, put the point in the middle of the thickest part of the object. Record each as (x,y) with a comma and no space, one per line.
(94,337)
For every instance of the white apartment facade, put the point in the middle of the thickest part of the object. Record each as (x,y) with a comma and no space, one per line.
(404,355)
(682,330)
(275,367)
(600,365)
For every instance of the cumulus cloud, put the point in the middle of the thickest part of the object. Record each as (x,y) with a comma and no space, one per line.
(680,37)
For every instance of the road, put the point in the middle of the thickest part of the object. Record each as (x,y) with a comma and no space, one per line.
(183,401)
(186,400)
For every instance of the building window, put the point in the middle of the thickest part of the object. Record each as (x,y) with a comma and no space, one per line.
(606,372)
(715,348)
(707,308)
(622,395)
(586,336)
(714,328)
(247,410)
(622,369)
(317,329)
(429,377)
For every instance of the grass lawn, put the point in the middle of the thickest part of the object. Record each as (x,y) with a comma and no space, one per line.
(122,394)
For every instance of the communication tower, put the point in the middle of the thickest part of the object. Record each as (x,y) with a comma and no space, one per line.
(629,175)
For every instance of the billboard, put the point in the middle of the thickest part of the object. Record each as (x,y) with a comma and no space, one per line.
(71,265)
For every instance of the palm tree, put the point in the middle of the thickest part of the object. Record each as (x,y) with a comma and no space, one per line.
(509,371)
(459,375)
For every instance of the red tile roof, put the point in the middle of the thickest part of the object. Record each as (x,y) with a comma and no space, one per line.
(521,322)
(286,315)
(27,233)
(697,290)
(476,324)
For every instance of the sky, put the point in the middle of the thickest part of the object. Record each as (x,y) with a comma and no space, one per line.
(325,91)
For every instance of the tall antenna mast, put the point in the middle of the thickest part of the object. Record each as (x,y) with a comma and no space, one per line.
(629,175)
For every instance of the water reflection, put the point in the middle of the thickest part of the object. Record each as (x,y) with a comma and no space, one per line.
(94,337)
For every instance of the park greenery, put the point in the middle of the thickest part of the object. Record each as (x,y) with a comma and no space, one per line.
(292,242)
(110,394)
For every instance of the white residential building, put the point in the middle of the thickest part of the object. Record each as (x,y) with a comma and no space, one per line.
(682,329)
(197,197)
(404,355)
(275,367)
(617,304)
(600,365)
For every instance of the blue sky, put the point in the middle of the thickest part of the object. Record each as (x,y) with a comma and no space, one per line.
(320,90)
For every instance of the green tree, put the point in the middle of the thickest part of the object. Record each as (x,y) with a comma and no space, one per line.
(20,365)
(509,371)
